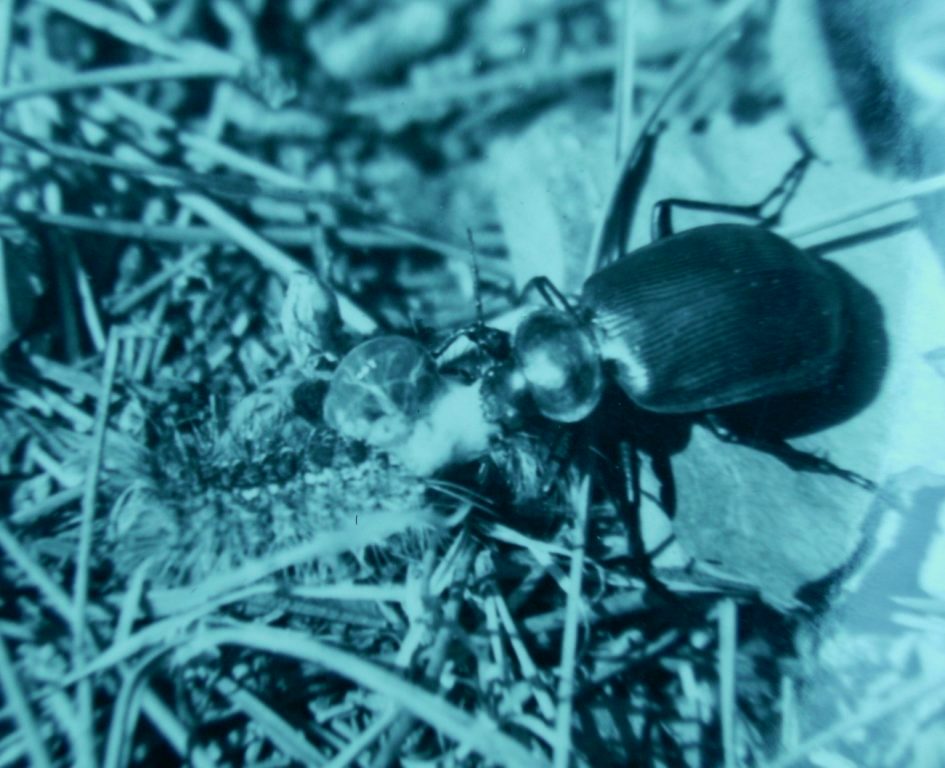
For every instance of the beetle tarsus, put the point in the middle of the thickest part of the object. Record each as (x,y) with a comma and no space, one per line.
(796,459)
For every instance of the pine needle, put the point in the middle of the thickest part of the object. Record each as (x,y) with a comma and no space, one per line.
(133,74)
(906,193)
(90,491)
(288,739)
(728,649)
(120,26)
(21,710)
(624,83)
(479,732)
(566,671)
(870,712)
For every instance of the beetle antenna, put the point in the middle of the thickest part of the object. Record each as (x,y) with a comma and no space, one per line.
(477,281)
(480,324)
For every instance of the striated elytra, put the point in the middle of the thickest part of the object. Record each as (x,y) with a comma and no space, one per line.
(711,317)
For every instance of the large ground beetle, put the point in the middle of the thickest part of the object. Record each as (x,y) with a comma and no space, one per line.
(697,323)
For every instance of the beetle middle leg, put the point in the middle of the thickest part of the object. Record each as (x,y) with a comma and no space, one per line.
(767,212)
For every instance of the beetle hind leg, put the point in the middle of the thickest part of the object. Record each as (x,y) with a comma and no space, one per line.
(796,459)
(767,212)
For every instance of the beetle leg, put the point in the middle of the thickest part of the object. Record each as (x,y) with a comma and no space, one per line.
(492,341)
(629,502)
(661,222)
(547,290)
(796,459)
(781,195)
(561,453)
(767,212)
(462,333)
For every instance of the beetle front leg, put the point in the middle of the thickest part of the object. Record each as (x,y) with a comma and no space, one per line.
(548,291)
(629,499)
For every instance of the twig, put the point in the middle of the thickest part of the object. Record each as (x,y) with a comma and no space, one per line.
(480,732)
(22,713)
(364,740)
(120,26)
(610,230)
(86,728)
(438,655)
(6,26)
(728,647)
(566,686)
(867,714)
(523,77)
(90,488)
(35,573)
(904,194)
(626,74)
(133,74)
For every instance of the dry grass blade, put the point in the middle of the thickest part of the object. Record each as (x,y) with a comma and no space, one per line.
(90,489)
(292,743)
(906,194)
(134,74)
(21,711)
(439,651)
(625,82)
(264,591)
(165,722)
(479,733)
(133,33)
(35,573)
(371,530)
(728,650)
(509,79)
(267,254)
(125,712)
(870,712)
(364,740)
(566,672)
(609,233)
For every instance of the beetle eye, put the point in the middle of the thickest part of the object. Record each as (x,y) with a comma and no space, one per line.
(561,363)
(381,389)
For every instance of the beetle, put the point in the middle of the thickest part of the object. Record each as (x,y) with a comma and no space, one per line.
(695,323)
(708,318)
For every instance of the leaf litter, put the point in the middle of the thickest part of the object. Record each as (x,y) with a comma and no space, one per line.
(198,569)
